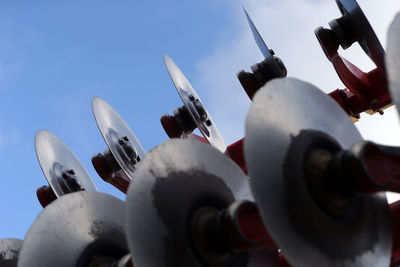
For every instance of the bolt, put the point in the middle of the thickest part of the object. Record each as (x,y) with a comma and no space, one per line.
(171,126)
(68,173)
(123,140)
(271,51)
(200,109)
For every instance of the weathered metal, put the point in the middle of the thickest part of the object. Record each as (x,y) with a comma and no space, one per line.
(178,188)
(75,230)
(308,235)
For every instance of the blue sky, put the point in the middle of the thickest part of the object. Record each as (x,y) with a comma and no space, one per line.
(54,57)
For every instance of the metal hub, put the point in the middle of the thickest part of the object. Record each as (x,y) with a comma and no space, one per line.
(66,178)
(129,151)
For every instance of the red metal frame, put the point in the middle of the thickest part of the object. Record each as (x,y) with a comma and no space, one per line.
(119,180)
(234,151)
(395,212)
(365,92)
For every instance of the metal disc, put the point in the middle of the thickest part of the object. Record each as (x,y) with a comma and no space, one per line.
(9,251)
(369,41)
(113,128)
(257,37)
(54,158)
(393,60)
(189,96)
(173,180)
(73,228)
(281,110)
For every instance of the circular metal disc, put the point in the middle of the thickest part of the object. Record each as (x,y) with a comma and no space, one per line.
(186,91)
(173,180)
(280,111)
(369,41)
(67,227)
(54,157)
(393,60)
(112,128)
(9,251)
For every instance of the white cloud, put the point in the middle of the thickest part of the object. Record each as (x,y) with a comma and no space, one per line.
(287,26)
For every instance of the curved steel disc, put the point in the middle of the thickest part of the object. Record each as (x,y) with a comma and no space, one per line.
(393,60)
(71,225)
(55,157)
(369,41)
(280,111)
(257,37)
(113,128)
(173,180)
(189,96)
(9,251)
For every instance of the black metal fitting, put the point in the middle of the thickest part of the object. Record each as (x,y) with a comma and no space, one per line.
(181,122)
(262,72)
(343,29)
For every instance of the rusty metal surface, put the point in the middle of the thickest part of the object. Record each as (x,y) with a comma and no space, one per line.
(9,251)
(71,225)
(54,156)
(186,92)
(280,111)
(175,179)
(393,60)
(112,128)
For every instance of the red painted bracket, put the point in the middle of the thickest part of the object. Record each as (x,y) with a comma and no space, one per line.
(373,168)
(45,195)
(236,153)
(119,180)
(365,91)
(395,213)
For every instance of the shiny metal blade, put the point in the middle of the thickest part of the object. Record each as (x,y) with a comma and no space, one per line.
(112,127)
(257,37)
(187,93)
(55,157)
